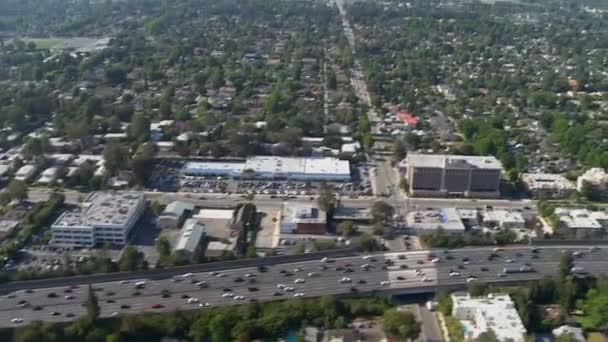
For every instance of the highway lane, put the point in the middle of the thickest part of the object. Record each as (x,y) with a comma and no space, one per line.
(409,271)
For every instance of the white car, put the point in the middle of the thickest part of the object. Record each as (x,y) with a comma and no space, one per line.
(281,286)
(249,275)
(313,274)
(299,294)
(470,279)
(326,259)
(436,260)
(419,273)
(114,314)
(345,280)
(299,281)
(239,297)
(204,305)
(124,282)
(228,295)
(367,257)
(508,261)
(17,320)
(288,289)
(385,283)
(454,274)
(140,283)
(187,275)
(426,279)
(192,300)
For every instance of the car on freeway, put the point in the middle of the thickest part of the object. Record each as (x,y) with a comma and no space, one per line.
(289,289)
(277,294)
(114,314)
(238,280)
(400,278)
(471,278)
(436,260)
(69,315)
(313,274)
(110,301)
(345,280)
(281,286)
(17,320)
(385,283)
(192,300)
(427,279)
(299,281)
(68,297)
(204,305)
(136,293)
(501,275)
(362,281)
(454,274)
(51,295)
(201,284)
(228,295)
(239,297)
(37,308)
(29,291)
(299,294)
(125,306)
(184,296)
(325,260)
(157,306)
(54,313)
(124,282)
(187,275)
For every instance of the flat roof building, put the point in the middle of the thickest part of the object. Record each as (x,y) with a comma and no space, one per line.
(48,175)
(103,217)
(26,172)
(582,223)
(504,219)
(428,221)
(191,237)
(597,180)
(548,185)
(174,214)
(494,312)
(293,168)
(437,175)
(302,218)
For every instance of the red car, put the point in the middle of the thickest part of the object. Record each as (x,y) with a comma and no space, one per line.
(157,306)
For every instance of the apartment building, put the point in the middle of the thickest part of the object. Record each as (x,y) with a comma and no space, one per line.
(103,217)
(434,175)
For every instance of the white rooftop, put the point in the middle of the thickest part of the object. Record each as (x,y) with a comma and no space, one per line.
(547,181)
(103,208)
(192,233)
(496,312)
(446,218)
(452,161)
(215,214)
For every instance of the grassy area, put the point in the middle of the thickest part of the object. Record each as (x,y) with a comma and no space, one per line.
(45,43)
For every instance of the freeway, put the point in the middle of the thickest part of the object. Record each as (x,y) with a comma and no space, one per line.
(229,201)
(387,273)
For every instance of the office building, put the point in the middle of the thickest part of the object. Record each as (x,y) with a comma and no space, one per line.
(582,223)
(453,176)
(548,185)
(494,312)
(427,221)
(503,219)
(302,218)
(103,217)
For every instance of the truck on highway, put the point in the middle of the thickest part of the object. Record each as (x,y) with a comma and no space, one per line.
(517,269)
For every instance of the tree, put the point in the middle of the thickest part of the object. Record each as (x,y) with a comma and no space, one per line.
(17,190)
(565,264)
(116,158)
(347,228)
(381,211)
(142,164)
(595,306)
(400,325)
(139,127)
(487,336)
(477,289)
(132,260)
(326,200)
(163,247)
(92,304)
(368,243)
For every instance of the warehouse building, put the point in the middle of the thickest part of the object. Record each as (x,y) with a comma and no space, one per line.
(290,168)
(174,214)
(190,240)
(453,176)
(103,217)
(428,221)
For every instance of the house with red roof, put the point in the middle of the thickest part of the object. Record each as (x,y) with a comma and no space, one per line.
(408,118)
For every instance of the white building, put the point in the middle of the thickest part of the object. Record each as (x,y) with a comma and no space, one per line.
(504,219)
(495,312)
(191,237)
(596,178)
(103,217)
(581,222)
(428,221)
(48,175)
(548,185)
(174,214)
(293,168)
(26,172)
(302,218)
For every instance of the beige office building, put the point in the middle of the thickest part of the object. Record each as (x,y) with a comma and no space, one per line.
(435,175)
